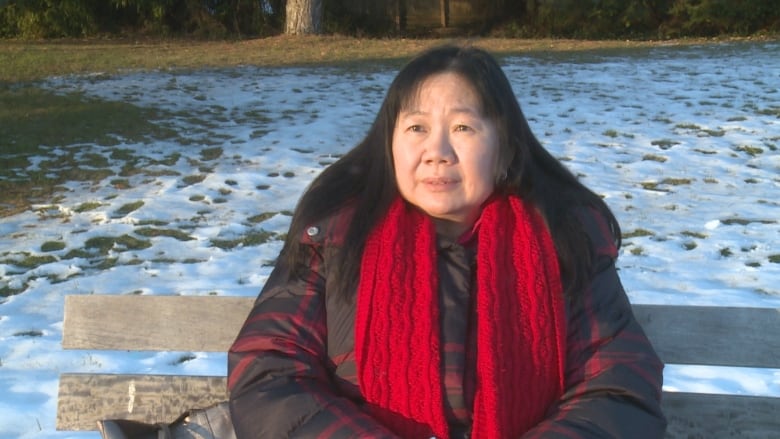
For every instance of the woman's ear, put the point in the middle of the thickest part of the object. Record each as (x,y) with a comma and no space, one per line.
(501,177)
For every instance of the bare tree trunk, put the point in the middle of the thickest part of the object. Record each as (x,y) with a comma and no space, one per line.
(444,8)
(303,17)
(400,15)
(531,8)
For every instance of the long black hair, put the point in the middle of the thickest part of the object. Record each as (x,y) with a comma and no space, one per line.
(364,177)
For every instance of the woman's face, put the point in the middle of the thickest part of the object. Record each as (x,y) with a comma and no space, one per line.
(445,152)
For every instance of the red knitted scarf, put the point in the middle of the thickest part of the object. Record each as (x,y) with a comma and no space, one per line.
(520,323)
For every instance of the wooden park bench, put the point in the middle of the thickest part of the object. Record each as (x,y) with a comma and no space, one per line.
(726,336)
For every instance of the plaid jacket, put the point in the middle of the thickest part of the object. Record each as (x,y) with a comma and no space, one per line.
(291,370)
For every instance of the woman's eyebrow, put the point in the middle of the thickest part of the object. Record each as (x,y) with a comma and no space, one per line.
(417,112)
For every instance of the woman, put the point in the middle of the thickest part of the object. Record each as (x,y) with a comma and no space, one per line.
(446,278)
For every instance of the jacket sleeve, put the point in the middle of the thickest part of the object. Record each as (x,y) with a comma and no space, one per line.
(279,374)
(614,377)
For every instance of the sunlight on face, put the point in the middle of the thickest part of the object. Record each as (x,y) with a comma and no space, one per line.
(445,152)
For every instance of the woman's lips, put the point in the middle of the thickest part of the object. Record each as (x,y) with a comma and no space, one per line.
(440,184)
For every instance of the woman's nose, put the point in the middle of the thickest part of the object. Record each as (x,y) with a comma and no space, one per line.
(439,148)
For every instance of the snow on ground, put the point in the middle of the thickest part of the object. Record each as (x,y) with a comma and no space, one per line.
(682,142)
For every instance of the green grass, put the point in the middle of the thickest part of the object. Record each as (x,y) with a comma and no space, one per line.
(183,359)
(669,181)
(637,233)
(34,121)
(189,180)
(150,232)
(52,246)
(253,238)
(654,158)
(714,133)
(745,221)
(610,133)
(750,150)
(31,333)
(78,253)
(676,181)
(773,110)
(120,183)
(664,143)
(652,186)
(29,261)
(103,244)
(128,208)
(86,207)
(32,60)
(31,117)
(210,154)
(261,217)
(7,291)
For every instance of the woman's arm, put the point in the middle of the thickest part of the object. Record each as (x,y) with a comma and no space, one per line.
(279,374)
(614,377)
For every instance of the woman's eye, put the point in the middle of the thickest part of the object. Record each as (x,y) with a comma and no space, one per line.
(462,128)
(415,128)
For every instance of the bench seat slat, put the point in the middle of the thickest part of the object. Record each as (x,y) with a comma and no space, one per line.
(696,415)
(86,398)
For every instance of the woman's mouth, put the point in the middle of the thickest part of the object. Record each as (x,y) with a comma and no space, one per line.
(439,184)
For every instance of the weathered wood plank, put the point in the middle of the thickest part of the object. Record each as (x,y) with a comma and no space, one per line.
(86,398)
(153,323)
(724,336)
(680,334)
(694,415)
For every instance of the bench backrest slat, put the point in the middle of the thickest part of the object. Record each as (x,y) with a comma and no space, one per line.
(724,336)
(153,323)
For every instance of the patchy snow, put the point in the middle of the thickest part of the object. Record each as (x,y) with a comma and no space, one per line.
(682,141)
